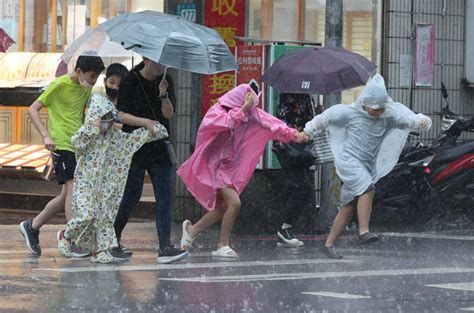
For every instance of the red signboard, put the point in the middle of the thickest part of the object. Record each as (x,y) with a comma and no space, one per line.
(227,17)
(251,62)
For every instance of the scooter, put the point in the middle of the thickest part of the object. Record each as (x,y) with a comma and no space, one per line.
(430,179)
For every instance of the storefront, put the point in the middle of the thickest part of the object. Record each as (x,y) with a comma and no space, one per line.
(41,29)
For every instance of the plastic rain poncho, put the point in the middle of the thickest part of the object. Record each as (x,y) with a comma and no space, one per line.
(366,148)
(228,146)
(103,161)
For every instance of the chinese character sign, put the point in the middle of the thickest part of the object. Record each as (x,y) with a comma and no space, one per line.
(424,55)
(251,62)
(227,17)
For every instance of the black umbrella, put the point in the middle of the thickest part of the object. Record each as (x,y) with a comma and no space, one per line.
(321,70)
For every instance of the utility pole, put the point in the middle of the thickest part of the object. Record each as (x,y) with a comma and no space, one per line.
(330,186)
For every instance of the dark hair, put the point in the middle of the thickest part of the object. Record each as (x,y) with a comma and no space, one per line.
(116,69)
(89,63)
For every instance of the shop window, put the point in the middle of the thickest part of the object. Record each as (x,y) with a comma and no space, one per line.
(50,25)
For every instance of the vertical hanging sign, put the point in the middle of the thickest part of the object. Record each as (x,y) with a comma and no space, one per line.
(227,17)
(424,55)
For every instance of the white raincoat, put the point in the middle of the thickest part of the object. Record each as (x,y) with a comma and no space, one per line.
(103,161)
(365,147)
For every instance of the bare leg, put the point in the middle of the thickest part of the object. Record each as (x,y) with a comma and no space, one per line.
(68,200)
(343,217)
(207,220)
(53,207)
(364,208)
(231,198)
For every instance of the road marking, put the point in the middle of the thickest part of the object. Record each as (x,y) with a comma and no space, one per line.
(336,295)
(183,266)
(309,275)
(455,286)
(428,236)
(467,309)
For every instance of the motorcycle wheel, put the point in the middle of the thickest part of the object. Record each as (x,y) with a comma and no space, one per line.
(411,211)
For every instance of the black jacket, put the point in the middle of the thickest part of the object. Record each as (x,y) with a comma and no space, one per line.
(132,100)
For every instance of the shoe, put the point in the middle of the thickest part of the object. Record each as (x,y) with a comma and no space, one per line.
(331,252)
(171,254)
(64,245)
(225,252)
(127,252)
(368,237)
(31,237)
(78,252)
(118,254)
(286,238)
(103,257)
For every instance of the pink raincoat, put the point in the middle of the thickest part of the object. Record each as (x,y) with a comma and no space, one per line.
(228,146)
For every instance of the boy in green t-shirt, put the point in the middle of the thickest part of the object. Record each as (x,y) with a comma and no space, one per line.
(66,99)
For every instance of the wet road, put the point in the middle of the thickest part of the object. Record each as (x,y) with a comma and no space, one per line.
(405,272)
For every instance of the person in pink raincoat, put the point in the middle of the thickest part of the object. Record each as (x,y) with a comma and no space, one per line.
(231,139)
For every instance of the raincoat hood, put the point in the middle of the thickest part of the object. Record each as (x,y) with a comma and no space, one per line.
(374,95)
(97,109)
(235,98)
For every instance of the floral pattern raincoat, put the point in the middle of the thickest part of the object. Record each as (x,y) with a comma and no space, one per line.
(103,161)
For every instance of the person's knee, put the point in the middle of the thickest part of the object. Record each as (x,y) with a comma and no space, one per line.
(347,211)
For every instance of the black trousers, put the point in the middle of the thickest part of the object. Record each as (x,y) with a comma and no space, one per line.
(298,188)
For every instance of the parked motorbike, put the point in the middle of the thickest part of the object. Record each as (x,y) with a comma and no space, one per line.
(430,179)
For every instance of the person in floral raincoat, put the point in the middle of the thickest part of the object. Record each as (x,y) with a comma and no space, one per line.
(104,154)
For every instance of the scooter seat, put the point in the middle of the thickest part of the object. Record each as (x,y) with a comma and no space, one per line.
(450,153)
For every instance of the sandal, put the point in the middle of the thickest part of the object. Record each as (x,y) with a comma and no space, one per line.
(186,239)
(225,252)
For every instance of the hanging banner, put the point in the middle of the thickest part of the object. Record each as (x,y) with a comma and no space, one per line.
(251,62)
(227,17)
(424,55)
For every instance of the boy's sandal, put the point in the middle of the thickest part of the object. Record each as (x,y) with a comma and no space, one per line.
(186,239)
(225,252)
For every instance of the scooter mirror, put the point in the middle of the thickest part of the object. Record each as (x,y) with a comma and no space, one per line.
(444,91)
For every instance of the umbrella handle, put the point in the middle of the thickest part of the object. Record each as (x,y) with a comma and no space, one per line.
(164,74)
(131,47)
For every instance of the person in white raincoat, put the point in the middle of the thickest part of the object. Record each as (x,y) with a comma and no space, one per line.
(104,154)
(366,139)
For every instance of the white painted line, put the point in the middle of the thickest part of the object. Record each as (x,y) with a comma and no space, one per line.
(336,295)
(342,274)
(183,266)
(428,236)
(467,309)
(455,286)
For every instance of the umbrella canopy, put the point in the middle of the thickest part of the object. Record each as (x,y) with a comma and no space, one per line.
(95,42)
(5,41)
(171,41)
(321,70)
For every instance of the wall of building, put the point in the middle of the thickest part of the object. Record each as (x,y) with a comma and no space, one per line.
(448,18)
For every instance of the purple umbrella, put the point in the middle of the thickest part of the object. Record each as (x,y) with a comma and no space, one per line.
(5,41)
(321,70)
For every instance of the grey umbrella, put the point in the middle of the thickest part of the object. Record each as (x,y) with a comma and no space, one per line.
(321,70)
(171,41)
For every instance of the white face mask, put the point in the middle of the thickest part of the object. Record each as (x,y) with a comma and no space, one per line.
(84,82)
(104,126)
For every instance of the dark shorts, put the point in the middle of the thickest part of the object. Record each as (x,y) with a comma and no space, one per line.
(64,165)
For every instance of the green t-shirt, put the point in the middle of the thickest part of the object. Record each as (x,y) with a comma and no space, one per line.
(66,102)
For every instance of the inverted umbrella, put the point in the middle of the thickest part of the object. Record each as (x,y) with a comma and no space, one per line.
(321,70)
(171,41)
(95,42)
(5,41)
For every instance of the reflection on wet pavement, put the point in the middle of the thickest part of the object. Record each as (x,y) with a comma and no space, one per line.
(408,272)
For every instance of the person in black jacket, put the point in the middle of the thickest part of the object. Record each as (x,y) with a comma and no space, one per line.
(295,110)
(144,93)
